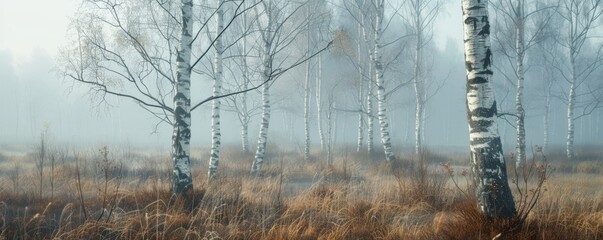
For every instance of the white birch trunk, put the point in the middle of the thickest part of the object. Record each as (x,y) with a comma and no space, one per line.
(244,114)
(263,135)
(217,91)
(382,111)
(570,107)
(360,133)
(369,96)
(361,65)
(519,60)
(370,121)
(573,21)
(182,180)
(418,87)
(330,135)
(307,98)
(493,194)
(321,134)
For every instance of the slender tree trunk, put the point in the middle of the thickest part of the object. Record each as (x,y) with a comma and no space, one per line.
(382,111)
(360,85)
(493,194)
(330,135)
(547,110)
(307,99)
(570,108)
(419,89)
(573,22)
(369,80)
(360,117)
(519,58)
(263,136)
(244,114)
(217,91)
(182,180)
(370,119)
(321,134)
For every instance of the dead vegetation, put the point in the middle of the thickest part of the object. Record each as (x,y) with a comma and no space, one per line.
(356,198)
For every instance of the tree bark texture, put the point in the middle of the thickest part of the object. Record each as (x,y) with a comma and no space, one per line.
(519,72)
(182,180)
(493,194)
(381,104)
(263,135)
(217,91)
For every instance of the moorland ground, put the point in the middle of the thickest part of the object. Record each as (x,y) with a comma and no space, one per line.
(124,194)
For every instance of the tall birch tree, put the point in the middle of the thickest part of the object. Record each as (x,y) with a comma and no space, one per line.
(380,82)
(524,22)
(493,194)
(363,12)
(217,91)
(580,17)
(142,51)
(421,15)
(277,33)
(182,180)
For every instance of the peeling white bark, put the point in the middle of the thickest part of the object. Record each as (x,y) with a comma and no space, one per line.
(321,134)
(382,110)
(492,188)
(519,68)
(370,122)
(217,91)
(263,135)
(182,178)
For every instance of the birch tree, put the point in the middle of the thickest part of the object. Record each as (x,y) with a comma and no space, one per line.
(380,82)
(543,57)
(580,17)
(421,14)
(142,51)
(493,194)
(315,21)
(277,33)
(241,74)
(524,22)
(363,13)
(217,91)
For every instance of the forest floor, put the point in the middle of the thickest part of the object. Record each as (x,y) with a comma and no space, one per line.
(125,195)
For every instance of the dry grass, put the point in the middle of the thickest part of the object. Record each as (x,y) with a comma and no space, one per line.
(357,198)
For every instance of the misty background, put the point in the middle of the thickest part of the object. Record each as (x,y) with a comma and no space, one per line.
(34,97)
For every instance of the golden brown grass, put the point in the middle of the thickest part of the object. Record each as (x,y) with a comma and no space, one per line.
(356,198)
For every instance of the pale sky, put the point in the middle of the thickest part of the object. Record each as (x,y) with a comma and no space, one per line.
(27,25)
(42,24)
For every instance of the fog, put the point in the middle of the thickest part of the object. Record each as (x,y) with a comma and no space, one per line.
(34,97)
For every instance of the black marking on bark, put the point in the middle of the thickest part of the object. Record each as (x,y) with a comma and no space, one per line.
(469,66)
(475,7)
(485,112)
(471,20)
(488,59)
(494,194)
(486,72)
(486,29)
(479,125)
(180,96)
(477,80)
